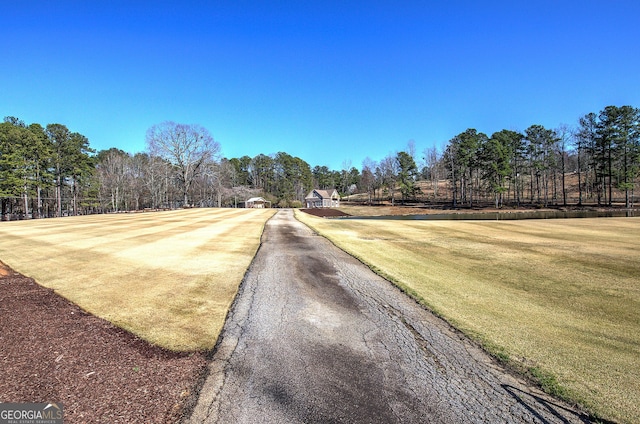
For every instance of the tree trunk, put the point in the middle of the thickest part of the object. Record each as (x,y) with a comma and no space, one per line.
(610,160)
(564,190)
(39,201)
(75,198)
(531,176)
(25,199)
(4,209)
(579,180)
(58,197)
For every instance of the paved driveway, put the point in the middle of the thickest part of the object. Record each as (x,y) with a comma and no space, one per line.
(316,337)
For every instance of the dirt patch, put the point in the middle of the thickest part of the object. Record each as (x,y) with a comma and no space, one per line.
(325,212)
(52,351)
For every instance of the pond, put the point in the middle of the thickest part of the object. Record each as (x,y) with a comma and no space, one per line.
(500,216)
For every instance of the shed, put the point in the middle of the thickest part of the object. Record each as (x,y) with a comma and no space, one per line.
(257,203)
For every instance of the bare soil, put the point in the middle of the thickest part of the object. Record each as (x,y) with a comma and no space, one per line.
(53,351)
(325,212)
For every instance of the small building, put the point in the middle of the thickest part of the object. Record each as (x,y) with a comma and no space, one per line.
(323,199)
(257,203)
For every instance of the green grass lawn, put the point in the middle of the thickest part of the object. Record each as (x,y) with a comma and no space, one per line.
(559,299)
(169,277)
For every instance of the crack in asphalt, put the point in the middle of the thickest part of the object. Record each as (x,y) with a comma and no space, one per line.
(314,336)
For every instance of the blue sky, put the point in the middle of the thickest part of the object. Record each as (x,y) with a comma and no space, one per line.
(329,81)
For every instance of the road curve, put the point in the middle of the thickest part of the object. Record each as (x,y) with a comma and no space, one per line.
(316,337)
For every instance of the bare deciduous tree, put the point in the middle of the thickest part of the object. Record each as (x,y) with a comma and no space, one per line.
(189,148)
(111,169)
(433,165)
(389,167)
(564,133)
(368,177)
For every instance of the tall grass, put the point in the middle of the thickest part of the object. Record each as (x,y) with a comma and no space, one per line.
(559,299)
(169,277)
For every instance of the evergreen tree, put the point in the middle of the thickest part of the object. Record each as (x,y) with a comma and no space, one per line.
(407,174)
(496,158)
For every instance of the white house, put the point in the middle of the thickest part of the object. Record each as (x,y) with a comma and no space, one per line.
(323,199)
(257,203)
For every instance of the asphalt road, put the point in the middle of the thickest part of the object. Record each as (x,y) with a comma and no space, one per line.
(316,337)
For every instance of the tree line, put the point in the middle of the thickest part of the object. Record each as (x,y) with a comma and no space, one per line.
(602,152)
(41,166)
(52,171)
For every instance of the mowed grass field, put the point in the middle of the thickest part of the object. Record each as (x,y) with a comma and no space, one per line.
(168,277)
(559,299)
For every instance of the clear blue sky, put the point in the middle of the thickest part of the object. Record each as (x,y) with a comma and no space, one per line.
(328,81)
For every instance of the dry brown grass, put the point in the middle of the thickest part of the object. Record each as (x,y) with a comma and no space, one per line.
(169,277)
(560,298)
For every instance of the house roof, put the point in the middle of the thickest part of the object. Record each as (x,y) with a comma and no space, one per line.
(322,194)
(256,199)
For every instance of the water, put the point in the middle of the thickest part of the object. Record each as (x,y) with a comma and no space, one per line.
(500,216)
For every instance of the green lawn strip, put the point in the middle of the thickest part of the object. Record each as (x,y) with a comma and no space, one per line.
(169,277)
(557,299)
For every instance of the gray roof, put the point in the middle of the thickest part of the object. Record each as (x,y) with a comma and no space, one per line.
(323,194)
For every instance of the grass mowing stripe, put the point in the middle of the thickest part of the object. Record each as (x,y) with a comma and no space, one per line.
(558,297)
(168,277)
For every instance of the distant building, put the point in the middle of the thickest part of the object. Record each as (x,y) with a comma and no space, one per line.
(257,203)
(323,199)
